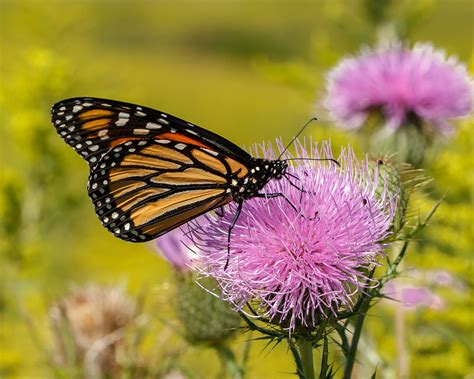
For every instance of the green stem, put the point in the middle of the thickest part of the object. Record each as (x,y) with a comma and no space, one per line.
(297,358)
(351,356)
(246,355)
(230,367)
(323,374)
(306,354)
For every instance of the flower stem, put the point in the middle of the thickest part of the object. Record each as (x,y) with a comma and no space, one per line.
(306,353)
(351,356)
(229,365)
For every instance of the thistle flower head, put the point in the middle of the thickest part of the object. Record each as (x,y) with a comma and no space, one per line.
(404,84)
(298,265)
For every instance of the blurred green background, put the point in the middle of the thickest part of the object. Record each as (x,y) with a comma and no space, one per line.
(249,70)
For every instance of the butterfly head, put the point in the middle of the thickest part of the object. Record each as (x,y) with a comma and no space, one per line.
(265,170)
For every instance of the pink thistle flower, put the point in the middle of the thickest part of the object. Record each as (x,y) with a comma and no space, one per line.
(297,267)
(413,297)
(173,246)
(403,83)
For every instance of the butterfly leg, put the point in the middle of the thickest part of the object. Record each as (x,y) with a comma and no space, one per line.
(229,232)
(220,211)
(276,194)
(316,217)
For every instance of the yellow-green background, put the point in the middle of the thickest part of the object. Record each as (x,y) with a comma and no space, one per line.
(249,70)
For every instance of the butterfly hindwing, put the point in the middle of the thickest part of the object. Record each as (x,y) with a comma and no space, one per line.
(143,188)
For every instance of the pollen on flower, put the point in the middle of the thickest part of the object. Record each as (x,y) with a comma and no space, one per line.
(297,266)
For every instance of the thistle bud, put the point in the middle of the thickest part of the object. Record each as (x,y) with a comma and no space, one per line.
(390,183)
(204,317)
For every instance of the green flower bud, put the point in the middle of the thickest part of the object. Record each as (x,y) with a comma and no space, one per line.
(411,142)
(204,317)
(391,183)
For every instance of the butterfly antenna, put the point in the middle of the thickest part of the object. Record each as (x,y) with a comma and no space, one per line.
(313,159)
(297,135)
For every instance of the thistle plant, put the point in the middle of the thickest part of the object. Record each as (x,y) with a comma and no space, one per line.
(100,332)
(402,99)
(298,266)
(89,326)
(307,277)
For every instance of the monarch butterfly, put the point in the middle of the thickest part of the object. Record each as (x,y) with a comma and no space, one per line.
(151,172)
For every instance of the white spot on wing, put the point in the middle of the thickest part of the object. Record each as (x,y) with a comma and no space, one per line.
(152,125)
(142,132)
(123,119)
(215,153)
(103,134)
(180,146)
(76,108)
(163,121)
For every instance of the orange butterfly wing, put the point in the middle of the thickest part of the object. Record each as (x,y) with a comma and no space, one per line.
(150,171)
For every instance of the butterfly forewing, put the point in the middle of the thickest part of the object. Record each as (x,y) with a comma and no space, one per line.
(143,189)
(92,126)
